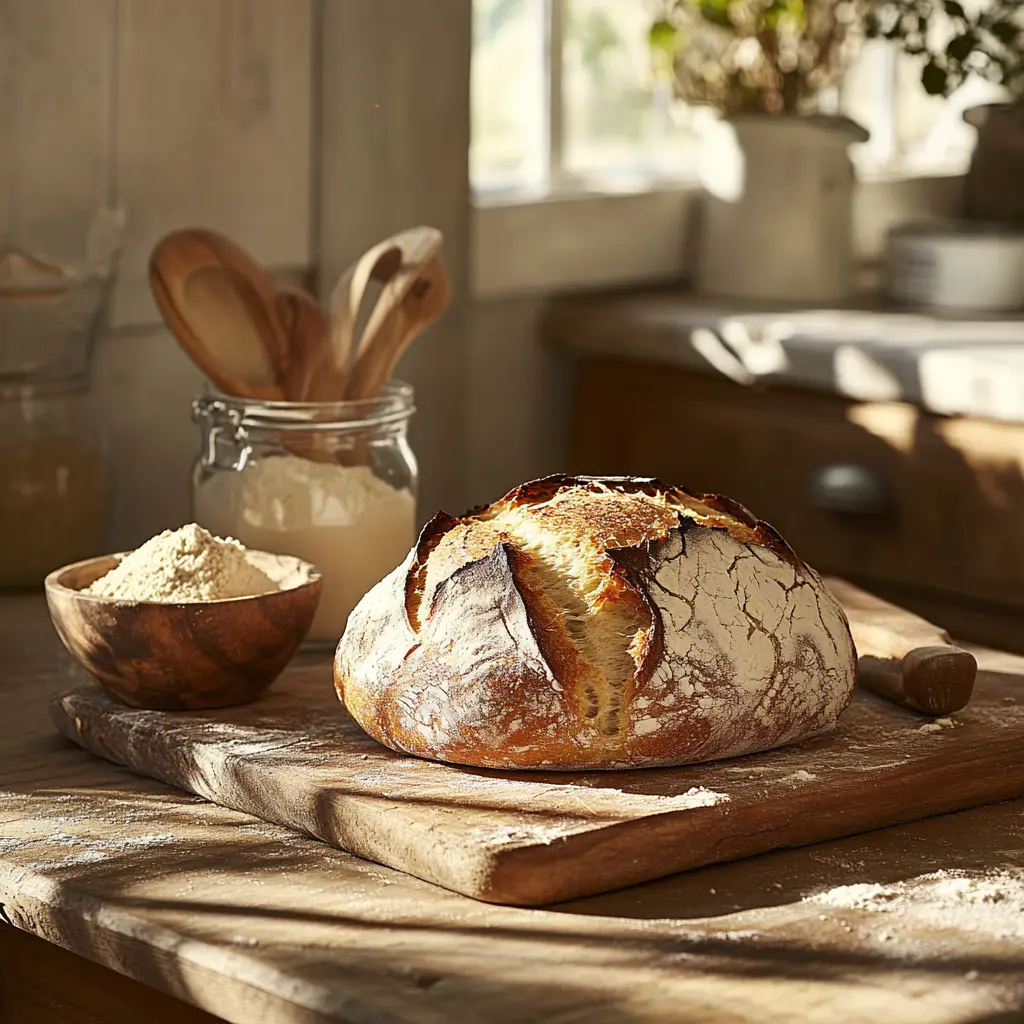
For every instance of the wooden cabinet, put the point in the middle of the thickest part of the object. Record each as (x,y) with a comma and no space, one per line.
(925,509)
(40,983)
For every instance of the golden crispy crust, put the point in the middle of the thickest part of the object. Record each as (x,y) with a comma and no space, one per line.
(596,623)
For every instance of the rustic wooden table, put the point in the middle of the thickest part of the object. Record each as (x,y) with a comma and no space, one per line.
(171,909)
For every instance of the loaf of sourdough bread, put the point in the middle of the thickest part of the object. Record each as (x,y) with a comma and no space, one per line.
(596,623)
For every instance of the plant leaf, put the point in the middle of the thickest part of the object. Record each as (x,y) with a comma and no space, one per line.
(961,47)
(1006,32)
(934,78)
(663,37)
(714,11)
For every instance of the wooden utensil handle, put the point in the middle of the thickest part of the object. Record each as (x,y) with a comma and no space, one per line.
(934,680)
(903,657)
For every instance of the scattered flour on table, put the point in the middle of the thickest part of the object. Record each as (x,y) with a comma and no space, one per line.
(531,833)
(991,902)
(938,725)
(62,849)
(548,800)
(189,564)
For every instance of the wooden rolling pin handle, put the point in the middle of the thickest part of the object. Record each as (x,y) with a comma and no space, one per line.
(934,680)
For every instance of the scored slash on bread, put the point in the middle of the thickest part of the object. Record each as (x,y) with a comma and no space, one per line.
(588,623)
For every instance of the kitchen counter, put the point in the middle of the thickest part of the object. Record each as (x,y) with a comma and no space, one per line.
(946,364)
(181,910)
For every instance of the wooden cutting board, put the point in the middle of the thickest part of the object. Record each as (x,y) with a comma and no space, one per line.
(297,759)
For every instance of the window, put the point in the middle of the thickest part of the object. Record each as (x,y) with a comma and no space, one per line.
(564,101)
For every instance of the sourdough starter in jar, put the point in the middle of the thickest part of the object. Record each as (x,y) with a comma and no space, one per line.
(354,522)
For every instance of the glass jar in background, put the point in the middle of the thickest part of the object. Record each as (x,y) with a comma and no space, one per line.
(54,480)
(54,474)
(333,483)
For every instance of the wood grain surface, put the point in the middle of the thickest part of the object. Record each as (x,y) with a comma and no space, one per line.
(295,758)
(253,922)
(206,94)
(57,86)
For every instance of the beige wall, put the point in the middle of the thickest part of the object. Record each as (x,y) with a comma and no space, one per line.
(517,400)
(881,205)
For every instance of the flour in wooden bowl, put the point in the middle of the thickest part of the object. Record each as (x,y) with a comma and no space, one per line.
(185,565)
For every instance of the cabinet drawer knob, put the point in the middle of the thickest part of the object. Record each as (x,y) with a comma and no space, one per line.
(850,489)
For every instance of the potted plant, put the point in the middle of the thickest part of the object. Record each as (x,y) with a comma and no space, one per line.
(779,179)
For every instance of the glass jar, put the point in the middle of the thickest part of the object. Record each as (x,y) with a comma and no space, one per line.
(54,479)
(333,483)
(54,476)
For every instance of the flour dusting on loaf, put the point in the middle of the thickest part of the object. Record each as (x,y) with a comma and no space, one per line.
(591,623)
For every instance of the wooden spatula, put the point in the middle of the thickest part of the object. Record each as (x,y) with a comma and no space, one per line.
(903,657)
(387,337)
(220,306)
(396,261)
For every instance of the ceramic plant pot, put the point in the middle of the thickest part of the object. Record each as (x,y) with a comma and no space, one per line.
(779,209)
(993,189)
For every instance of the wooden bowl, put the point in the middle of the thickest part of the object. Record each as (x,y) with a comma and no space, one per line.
(209,654)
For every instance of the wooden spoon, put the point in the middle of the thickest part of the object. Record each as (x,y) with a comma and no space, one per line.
(242,263)
(387,336)
(396,261)
(221,307)
(306,330)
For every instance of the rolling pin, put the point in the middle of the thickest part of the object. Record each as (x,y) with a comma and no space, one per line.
(903,657)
